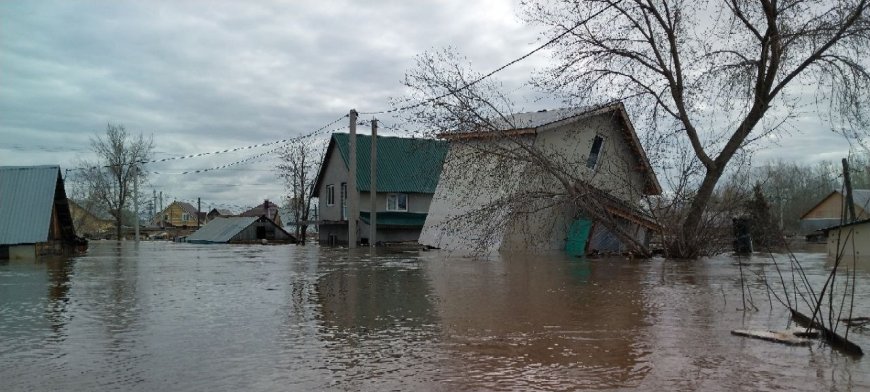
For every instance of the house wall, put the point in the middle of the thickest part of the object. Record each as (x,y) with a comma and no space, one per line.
(538,224)
(471,180)
(22,252)
(569,146)
(88,225)
(417,202)
(832,208)
(858,239)
(336,172)
(176,213)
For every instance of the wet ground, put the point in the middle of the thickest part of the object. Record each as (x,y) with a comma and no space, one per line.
(180,317)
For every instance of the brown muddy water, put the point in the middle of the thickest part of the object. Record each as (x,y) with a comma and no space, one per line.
(183,317)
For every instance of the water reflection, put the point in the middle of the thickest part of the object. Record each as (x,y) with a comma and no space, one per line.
(534,321)
(166,316)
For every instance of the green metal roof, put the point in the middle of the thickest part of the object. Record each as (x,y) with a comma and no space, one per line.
(393,218)
(408,165)
(27,196)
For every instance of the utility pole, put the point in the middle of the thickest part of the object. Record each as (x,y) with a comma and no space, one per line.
(373,187)
(153,204)
(162,223)
(352,194)
(136,200)
(850,203)
(198,211)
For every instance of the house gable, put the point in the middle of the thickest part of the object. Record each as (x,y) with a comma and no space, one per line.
(831,206)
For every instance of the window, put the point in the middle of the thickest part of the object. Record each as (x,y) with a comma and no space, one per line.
(397,202)
(595,153)
(343,201)
(185,217)
(330,195)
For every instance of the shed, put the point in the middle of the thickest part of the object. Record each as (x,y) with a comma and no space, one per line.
(828,212)
(240,229)
(851,240)
(35,218)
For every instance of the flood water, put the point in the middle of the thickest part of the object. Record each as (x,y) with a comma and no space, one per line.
(183,317)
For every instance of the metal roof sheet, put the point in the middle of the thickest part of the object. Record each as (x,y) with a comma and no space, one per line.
(222,229)
(410,165)
(26,201)
(543,117)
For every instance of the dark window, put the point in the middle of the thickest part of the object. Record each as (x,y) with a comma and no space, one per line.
(261,232)
(330,195)
(595,153)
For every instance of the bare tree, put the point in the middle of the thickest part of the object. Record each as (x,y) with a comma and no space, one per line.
(109,179)
(297,168)
(719,74)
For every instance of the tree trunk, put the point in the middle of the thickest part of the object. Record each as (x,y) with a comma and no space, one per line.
(687,245)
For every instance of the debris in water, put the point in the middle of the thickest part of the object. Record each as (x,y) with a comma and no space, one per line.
(789,337)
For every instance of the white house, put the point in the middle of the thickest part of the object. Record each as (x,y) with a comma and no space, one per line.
(494,187)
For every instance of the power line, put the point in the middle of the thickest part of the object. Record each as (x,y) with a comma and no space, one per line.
(497,70)
(282,141)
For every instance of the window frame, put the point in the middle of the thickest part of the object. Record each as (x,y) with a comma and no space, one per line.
(185,217)
(397,197)
(330,195)
(597,162)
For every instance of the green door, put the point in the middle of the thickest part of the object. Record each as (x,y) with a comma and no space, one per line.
(578,234)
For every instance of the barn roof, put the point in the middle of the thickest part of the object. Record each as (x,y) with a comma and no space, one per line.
(409,165)
(222,229)
(27,196)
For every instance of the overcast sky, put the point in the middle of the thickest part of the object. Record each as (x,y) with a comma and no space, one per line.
(203,76)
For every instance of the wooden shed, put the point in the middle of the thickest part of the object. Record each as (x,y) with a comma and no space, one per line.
(35,218)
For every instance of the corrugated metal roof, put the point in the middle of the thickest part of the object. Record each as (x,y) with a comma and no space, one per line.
(221,229)
(407,165)
(26,201)
(543,117)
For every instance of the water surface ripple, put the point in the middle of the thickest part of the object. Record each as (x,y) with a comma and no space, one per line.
(184,317)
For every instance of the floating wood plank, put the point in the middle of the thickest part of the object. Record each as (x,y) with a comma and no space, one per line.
(830,336)
(784,337)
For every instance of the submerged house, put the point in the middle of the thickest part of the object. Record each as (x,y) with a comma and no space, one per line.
(240,230)
(407,174)
(90,220)
(217,212)
(828,212)
(498,190)
(179,214)
(35,219)
(267,209)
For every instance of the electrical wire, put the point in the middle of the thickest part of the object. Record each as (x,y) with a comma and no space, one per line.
(497,70)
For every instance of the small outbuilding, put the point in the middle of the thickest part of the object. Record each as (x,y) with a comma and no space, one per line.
(850,240)
(35,218)
(240,230)
(828,212)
